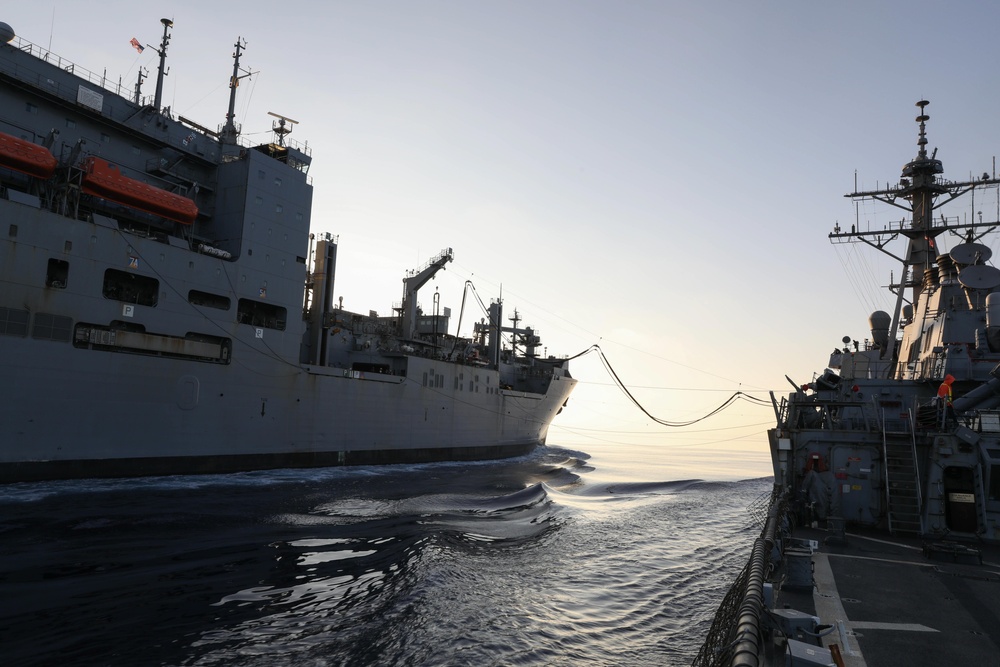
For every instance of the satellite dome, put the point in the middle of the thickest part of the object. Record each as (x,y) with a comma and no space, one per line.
(6,32)
(879,322)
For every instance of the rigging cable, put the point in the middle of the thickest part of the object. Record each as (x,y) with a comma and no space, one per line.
(468,286)
(736,396)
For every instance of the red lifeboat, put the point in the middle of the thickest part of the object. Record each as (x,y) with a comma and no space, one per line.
(26,157)
(101,178)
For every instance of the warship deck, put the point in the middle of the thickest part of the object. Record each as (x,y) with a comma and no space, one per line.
(901,601)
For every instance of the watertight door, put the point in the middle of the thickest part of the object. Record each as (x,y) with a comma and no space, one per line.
(854,472)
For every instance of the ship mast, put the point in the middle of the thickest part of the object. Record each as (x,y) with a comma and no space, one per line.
(230,131)
(138,85)
(162,72)
(920,187)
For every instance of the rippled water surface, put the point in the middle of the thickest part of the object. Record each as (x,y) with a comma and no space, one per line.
(550,559)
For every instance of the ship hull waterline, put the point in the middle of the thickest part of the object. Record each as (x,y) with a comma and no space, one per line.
(198,422)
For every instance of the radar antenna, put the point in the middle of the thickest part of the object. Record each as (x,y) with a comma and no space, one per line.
(279,128)
(922,139)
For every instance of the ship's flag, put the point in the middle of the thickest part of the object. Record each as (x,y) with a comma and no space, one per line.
(136,45)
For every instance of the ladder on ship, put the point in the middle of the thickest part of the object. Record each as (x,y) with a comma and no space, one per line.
(902,478)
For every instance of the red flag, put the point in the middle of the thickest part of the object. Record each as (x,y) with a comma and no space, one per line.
(136,45)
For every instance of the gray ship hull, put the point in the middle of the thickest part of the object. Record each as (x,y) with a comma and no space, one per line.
(165,309)
(159,417)
(74,411)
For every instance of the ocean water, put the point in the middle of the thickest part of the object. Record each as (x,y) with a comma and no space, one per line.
(561,557)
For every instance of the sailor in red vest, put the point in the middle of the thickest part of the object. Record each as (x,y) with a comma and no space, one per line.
(944,400)
(944,391)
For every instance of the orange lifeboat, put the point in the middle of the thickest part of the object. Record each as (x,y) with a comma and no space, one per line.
(101,178)
(26,157)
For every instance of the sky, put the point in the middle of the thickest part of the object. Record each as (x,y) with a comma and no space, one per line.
(657,178)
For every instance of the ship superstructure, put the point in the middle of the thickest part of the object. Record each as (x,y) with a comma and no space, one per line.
(879,543)
(164,307)
(869,433)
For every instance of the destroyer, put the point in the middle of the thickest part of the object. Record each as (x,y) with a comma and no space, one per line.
(879,545)
(165,309)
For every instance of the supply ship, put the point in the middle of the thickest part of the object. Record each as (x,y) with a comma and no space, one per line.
(165,309)
(879,543)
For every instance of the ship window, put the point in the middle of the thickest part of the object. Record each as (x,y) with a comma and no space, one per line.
(13,322)
(277,182)
(52,327)
(130,287)
(105,138)
(258,201)
(278,208)
(136,150)
(366,367)
(260,174)
(12,231)
(57,274)
(70,122)
(199,298)
(31,108)
(258,314)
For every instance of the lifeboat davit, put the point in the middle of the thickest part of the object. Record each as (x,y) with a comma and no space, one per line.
(26,157)
(101,178)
